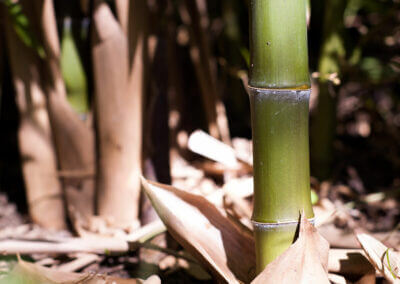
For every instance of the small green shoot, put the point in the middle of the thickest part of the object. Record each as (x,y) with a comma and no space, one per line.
(389,265)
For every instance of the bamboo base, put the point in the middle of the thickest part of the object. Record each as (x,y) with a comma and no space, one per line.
(272,240)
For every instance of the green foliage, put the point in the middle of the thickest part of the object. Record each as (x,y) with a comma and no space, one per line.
(246,55)
(10,277)
(390,266)
(73,73)
(314,197)
(373,68)
(22,27)
(17,279)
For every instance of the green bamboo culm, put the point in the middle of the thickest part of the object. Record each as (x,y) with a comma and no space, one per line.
(278,43)
(332,52)
(279,87)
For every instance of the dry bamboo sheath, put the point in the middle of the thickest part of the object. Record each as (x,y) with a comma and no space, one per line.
(279,95)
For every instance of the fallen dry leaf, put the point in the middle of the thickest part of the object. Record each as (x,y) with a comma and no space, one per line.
(305,261)
(337,279)
(385,260)
(205,232)
(369,278)
(205,145)
(26,272)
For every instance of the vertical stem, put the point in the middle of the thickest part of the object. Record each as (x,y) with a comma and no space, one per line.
(122,7)
(39,162)
(279,97)
(201,57)
(281,168)
(176,93)
(118,172)
(119,72)
(74,142)
(323,130)
(278,43)
(2,58)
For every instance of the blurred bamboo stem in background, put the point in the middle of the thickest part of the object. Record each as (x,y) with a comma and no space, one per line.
(73,139)
(279,95)
(39,163)
(118,76)
(2,56)
(176,94)
(324,123)
(201,57)
(122,7)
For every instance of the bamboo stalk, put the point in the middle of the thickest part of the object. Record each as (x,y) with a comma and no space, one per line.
(279,97)
(122,7)
(176,93)
(2,59)
(201,58)
(39,163)
(278,44)
(74,141)
(117,194)
(139,59)
(324,123)
(119,87)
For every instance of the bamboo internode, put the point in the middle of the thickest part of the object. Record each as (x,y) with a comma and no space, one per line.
(278,43)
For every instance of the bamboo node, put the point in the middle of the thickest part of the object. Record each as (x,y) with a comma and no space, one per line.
(260,226)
